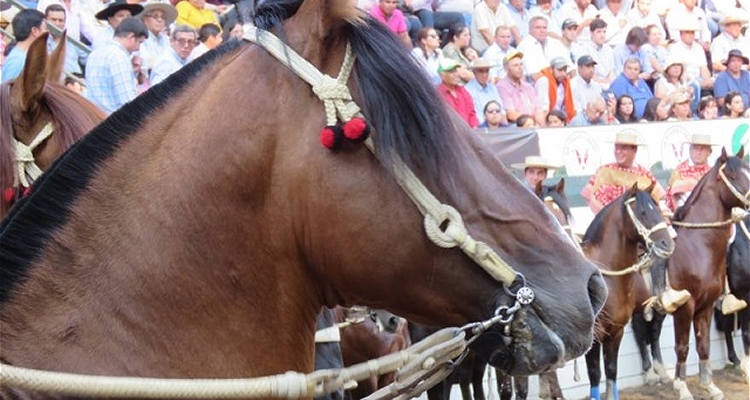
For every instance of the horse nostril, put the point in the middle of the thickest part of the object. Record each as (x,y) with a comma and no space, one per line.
(597,290)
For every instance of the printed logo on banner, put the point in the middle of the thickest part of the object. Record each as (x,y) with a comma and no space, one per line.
(581,154)
(674,146)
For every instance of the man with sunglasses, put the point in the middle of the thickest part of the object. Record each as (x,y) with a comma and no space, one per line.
(183,40)
(157,17)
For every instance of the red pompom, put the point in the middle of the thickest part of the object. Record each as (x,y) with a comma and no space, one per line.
(356,129)
(9,194)
(27,191)
(331,137)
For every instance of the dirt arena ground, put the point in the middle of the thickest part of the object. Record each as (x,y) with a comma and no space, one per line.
(731,381)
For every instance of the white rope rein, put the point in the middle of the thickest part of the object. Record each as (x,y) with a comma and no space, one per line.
(737,215)
(26,169)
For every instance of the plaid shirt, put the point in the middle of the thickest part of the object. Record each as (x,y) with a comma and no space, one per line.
(110,82)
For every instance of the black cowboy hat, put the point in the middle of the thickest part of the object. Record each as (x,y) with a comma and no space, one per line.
(116,6)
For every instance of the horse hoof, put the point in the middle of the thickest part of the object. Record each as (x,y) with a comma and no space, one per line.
(662,372)
(681,388)
(652,378)
(711,392)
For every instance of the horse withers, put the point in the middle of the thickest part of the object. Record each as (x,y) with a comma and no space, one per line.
(205,222)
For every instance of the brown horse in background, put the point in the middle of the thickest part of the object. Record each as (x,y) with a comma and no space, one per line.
(612,240)
(28,105)
(204,223)
(700,258)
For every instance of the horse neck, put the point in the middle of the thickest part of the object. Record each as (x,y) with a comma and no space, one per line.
(708,205)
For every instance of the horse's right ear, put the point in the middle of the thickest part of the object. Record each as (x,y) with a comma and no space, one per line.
(633,190)
(723,157)
(56,60)
(538,189)
(34,72)
(650,188)
(741,152)
(561,186)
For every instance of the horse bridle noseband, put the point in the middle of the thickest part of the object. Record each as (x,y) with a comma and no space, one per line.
(645,233)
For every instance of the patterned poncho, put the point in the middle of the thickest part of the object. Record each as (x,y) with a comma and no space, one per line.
(684,178)
(611,180)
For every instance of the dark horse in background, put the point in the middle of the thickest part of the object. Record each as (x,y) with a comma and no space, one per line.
(166,246)
(738,275)
(699,261)
(31,104)
(612,240)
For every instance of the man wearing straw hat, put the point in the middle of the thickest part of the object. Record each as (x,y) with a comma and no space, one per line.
(731,38)
(683,180)
(612,180)
(482,90)
(534,169)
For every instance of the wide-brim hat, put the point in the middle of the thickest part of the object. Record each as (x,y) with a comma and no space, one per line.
(170,13)
(736,53)
(733,18)
(480,63)
(702,139)
(679,96)
(674,59)
(447,65)
(116,6)
(534,162)
(686,25)
(628,138)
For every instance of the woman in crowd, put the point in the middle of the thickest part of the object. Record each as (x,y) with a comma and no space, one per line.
(459,38)
(556,118)
(708,108)
(625,110)
(671,79)
(493,116)
(428,53)
(734,107)
(656,110)
(656,54)
(680,110)
(525,121)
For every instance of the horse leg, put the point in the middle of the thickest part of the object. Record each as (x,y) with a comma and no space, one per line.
(504,385)
(682,320)
(641,335)
(725,325)
(701,326)
(744,317)
(594,369)
(477,379)
(521,384)
(465,390)
(549,386)
(654,331)
(611,348)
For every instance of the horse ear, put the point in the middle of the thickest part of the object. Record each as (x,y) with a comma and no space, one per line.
(633,190)
(34,72)
(56,60)
(561,186)
(650,188)
(538,189)
(741,153)
(723,158)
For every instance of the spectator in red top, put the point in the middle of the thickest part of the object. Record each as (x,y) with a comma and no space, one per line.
(388,13)
(454,94)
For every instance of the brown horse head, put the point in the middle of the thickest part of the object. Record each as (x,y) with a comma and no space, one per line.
(212,224)
(31,102)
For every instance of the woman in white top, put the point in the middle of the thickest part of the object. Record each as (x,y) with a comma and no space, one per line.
(428,53)
(672,79)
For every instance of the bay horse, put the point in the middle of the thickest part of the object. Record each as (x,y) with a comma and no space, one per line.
(41,114)
(206,221)
(612,240)
(703,226)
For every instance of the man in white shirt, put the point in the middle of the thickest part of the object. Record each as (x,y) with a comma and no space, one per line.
(731,38)
(583,13)
(488,15)
(618,24)
(157,17)
(183,40)
(601,53)
(687,12)
(582,85)
(538,50)
(686,48)
(496,53)
(643,15)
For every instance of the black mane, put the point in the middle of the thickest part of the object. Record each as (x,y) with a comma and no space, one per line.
(594,233)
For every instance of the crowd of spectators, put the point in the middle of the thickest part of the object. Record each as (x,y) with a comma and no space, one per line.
(574,61)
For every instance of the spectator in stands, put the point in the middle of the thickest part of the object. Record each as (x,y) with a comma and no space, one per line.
(388,13)
(582,85)
(27,26)
(708,108)
(535,169)
(458,39)
(569,40)
(537,49)
(495,54)
(109,71)
(470,53)
(680,101)
(731,39)
(494,116)
(643,15)
(583,13)
(80,22)
(733,78)
(601,53)
(687,173)
(635,39)
(428,54)
(487,16)
(525,121)
(612,180)
(545,8)
(157,17)
(115,12)
(518,96)
(482,90)
(521,16)
(629,82)
(422,9)
(696,72)
(464,7)
(74,83)
(556,118)
(625,110)
(686,12)
(617,21)
(232,29)
(656,54)
(182,42)
(656,110)
(194,13)
(74,58)
(209,36)
(553,88)
(454,94)
(595,113)
(672,79)
(734,107)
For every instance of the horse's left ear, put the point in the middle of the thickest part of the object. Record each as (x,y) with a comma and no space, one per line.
(650,188)
(34,73)
(561,186)
(56,60)
(633,190)
(723,157)
(741,152)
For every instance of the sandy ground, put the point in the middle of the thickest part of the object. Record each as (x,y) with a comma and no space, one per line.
(731,381)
